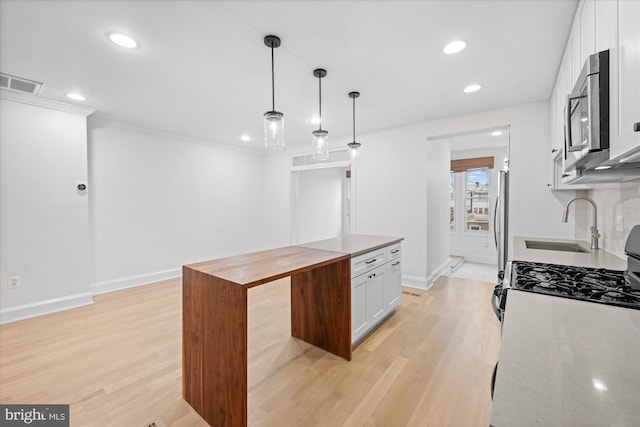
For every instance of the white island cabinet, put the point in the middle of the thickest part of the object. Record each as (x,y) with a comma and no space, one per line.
(376,277)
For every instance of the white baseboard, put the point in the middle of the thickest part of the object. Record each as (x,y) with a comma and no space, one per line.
(133,281)
(25,311)
(414,282)
(482,259)
(444,268)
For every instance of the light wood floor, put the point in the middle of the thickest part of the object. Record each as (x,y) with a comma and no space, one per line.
(118,362)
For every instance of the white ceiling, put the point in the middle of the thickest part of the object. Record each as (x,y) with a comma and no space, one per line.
(202,70)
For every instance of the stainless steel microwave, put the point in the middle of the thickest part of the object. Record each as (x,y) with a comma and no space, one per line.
(586,120)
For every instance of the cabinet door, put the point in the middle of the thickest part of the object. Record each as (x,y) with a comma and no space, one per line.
(574,52)
(393,284)
(625,84)
(606,24)
(359,323)
(375,294)
(587,30)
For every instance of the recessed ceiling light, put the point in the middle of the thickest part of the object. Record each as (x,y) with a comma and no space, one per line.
(599,168)
(472,88)
(496,133)
(245,138)
(314,120)
(76,97)
(454,47)
(123,40)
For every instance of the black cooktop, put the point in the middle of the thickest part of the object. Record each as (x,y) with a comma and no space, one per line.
(583,283)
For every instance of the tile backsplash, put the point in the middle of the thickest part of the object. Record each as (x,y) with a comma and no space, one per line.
(618,211)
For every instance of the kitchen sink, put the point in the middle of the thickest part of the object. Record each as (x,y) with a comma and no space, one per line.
(555,246)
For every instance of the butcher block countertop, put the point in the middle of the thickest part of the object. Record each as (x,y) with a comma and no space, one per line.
(355,244)
(595,258)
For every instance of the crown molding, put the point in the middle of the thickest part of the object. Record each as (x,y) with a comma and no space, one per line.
(26,98)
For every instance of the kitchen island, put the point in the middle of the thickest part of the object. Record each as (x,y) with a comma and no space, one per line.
(214,313)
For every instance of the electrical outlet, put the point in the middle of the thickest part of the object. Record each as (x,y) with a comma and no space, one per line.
(14,282)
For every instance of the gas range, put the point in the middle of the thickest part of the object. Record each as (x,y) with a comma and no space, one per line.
(614,287)
(582,283)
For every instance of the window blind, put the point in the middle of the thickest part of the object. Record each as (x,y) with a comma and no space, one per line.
(461,165)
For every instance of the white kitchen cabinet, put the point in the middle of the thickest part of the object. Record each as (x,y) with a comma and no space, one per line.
(606,12)
(587,14)
(574,53)
(393,284)
(375,287)
(359,323)
(625,84)
(375,294)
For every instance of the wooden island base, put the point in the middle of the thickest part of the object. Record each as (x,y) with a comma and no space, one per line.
(214,320)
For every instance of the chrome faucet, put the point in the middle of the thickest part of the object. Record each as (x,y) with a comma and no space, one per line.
(595,234)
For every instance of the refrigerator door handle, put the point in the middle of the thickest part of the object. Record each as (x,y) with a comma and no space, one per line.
(495,222)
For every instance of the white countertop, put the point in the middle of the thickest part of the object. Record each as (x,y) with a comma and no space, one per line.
(596,258)
(354,244)
(565,362)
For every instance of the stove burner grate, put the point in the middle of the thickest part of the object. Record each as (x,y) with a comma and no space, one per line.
(590,284)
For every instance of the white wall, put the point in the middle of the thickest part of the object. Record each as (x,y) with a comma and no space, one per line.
(43,218)
(160,201)
(438,243)
(534,210)
(319,204)
(392,182)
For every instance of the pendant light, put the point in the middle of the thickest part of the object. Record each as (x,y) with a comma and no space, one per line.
(354,146)
(320,137)
(273,120)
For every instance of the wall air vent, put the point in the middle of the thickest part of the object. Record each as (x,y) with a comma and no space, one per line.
(19,84)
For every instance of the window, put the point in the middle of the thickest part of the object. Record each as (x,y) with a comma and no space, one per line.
(470,194)
(477,199)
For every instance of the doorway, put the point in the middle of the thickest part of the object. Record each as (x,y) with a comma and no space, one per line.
(322,201)
(475,158)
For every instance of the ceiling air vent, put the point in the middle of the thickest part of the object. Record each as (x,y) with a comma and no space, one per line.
(19,84)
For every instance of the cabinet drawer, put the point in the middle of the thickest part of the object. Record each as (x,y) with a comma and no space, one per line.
(368,261)
(394,251)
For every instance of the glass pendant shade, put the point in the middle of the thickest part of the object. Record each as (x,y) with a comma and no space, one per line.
(274,130)
(320,144)
(353,146)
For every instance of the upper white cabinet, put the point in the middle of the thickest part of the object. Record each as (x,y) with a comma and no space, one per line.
(587,14)
(600,25)
(606,24)
(625,84)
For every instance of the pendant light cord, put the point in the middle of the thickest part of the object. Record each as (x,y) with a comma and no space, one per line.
(273,84)
(320,101)
(354,119)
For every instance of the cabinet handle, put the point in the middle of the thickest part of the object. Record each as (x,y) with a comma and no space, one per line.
(555,150)
(396,251)
(636,127)
(395,263)
(564,175)
(370,262)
